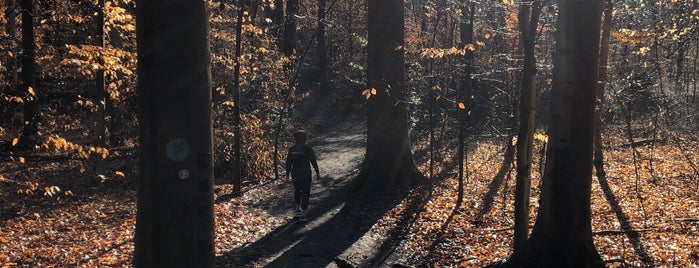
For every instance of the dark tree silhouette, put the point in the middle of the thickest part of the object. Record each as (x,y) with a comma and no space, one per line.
(174,226)
(562,235)
(388,162)
(29,132)
(289,37)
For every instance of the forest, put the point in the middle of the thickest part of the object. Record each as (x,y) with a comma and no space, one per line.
(448,133)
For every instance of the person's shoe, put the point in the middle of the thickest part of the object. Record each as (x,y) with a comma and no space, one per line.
(298,213)
(303,216)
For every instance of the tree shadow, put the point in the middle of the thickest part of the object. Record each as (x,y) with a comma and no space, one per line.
(633,235)
(438,237)
(495,184)
(335,225)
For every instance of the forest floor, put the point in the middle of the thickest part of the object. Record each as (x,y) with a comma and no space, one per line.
(644,214)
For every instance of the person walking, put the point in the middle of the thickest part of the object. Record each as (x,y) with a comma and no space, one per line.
(298,166)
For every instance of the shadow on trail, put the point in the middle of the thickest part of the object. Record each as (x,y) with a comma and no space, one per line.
(334,227)
(633,235)
(496,184)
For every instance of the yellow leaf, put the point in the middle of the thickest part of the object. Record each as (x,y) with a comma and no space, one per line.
(368,92)
(398,48)
(462,106)
(15,141)
(31,91)
(10,53)
(470,47)
(82,169)
(480,43)
(22,160)
(119,173)
(229,103)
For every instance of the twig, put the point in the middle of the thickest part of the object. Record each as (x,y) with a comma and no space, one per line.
(613,232)
(687,219)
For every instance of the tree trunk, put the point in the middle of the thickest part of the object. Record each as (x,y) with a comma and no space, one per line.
(289,38)
(388,162)
(528,22)
(466,38)
(11,30)
(29,132)
(562,235)
(321,49)
(175,225)
(100,92)
(237,167)
(599,90)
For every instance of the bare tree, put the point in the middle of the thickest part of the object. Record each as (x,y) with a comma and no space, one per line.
(388,162)
(562,235)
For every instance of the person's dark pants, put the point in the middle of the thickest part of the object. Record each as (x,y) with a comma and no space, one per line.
(302,190)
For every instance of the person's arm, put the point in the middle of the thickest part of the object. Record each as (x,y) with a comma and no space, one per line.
(288,163)
(313,161)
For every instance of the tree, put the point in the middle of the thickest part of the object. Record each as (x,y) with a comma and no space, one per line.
(174,226)
(599,99)
(466,91)
(321,50)
(29,132)
(11,30)
(388,162)
(528,21)
(562,235)
(237,174)
(100,93)
(289,37)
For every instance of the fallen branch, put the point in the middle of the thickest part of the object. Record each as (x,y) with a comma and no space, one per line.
(687,219)
(613,232)
(641,142)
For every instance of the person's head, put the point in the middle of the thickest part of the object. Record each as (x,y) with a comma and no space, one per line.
(300,137)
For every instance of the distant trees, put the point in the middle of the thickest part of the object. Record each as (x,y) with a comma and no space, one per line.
(175,226)
(388,162)
(562,235)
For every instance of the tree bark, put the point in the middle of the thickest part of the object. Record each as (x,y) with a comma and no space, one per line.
(29,132)
(175,226)
(562,235)
(528,22)
(388,163)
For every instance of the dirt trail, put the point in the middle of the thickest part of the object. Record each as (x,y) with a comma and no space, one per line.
(338,233)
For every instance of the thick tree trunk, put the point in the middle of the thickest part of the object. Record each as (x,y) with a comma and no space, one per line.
(29,132)
(175,226)
(599,90)
(528,22)
(562,235)
(389,161)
